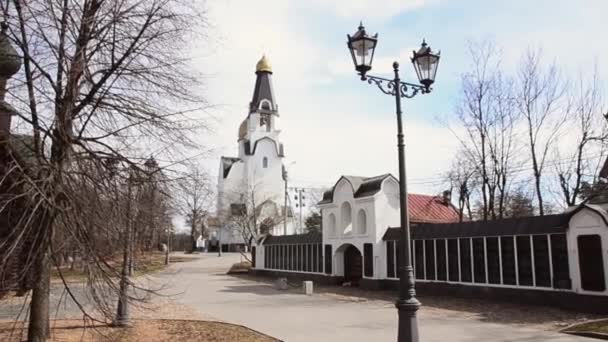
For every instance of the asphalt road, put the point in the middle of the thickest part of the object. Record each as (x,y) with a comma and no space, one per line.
(203,286)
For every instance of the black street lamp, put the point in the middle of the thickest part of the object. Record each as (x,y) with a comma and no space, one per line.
(425,62)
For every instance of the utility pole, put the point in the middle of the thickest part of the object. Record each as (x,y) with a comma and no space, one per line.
(300,198)
(285,205)
(169,230)
(219,243)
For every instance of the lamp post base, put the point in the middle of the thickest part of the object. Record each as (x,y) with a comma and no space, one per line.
(408,322)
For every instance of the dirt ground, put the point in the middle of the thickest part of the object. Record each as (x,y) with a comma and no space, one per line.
(141,330)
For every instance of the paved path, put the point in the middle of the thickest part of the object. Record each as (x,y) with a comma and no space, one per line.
(204,286)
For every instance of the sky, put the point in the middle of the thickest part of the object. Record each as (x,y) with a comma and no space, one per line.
(332,123)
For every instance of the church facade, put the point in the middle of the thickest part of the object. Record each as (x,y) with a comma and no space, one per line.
(251,186)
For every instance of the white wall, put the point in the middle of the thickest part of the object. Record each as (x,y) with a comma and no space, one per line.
(381,211)
(586,222)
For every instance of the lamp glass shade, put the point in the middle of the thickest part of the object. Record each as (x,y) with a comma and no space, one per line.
(362,48)
(426,63)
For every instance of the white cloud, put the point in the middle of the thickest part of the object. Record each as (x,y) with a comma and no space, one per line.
(369,9)
(329,135)
(332,131)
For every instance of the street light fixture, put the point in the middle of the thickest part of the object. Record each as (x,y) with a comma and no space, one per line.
(362,48)
(426,63)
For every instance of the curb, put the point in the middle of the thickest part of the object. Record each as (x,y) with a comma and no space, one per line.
(590,334)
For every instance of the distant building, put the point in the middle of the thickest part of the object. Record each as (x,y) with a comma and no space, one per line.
(254,180)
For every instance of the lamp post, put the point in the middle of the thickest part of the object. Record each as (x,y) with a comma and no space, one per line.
(362,48)
(285,177)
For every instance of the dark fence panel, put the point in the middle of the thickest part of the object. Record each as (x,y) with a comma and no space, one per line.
(479,261)
(429,250)
(368,260)
(328,258)
(559,259)
(465,260)
(390,259)
(441,263)
(541,260)
(524,260)
(493,260)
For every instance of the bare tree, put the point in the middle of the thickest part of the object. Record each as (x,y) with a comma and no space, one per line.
(195,198)
(585,125)
(487,113)
(100,80)
(462,178)
(253,214)
(539,97)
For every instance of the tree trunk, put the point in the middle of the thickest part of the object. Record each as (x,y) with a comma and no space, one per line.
(39,307)
(122,311)
(167,255)
(541,212)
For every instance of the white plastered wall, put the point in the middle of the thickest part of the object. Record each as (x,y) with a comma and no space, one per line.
(381,212)
(586,222)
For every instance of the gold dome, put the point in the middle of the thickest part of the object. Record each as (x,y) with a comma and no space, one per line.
(263,65)
(243,130)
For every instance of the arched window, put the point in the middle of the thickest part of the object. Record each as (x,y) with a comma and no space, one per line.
(332,225)
(362,222)
(265,104)
(347,218)
(265,162)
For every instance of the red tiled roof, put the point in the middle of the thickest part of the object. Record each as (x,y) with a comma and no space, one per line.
(430,209)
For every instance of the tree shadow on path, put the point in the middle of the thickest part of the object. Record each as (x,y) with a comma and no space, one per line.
(541,317)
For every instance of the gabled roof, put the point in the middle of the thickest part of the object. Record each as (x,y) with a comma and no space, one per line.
(227,163)
(362,186)
(431,209)
(278,147)
(422,208)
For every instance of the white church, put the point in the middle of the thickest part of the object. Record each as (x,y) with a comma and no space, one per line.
(255,179)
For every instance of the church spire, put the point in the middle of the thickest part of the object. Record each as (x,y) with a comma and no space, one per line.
(263,100)
(263,65)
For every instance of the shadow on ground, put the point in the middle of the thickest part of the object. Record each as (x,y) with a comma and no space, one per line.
(484,310)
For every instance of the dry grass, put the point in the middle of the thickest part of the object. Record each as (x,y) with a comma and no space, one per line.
(142,330)
(146,264)
(240,267)
(600,326)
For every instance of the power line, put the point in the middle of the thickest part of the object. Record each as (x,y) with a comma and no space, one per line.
(439,179)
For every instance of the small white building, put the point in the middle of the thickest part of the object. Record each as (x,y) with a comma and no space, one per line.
(356,214)
(254,180)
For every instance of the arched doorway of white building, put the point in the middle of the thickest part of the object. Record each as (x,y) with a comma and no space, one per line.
(351,260)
